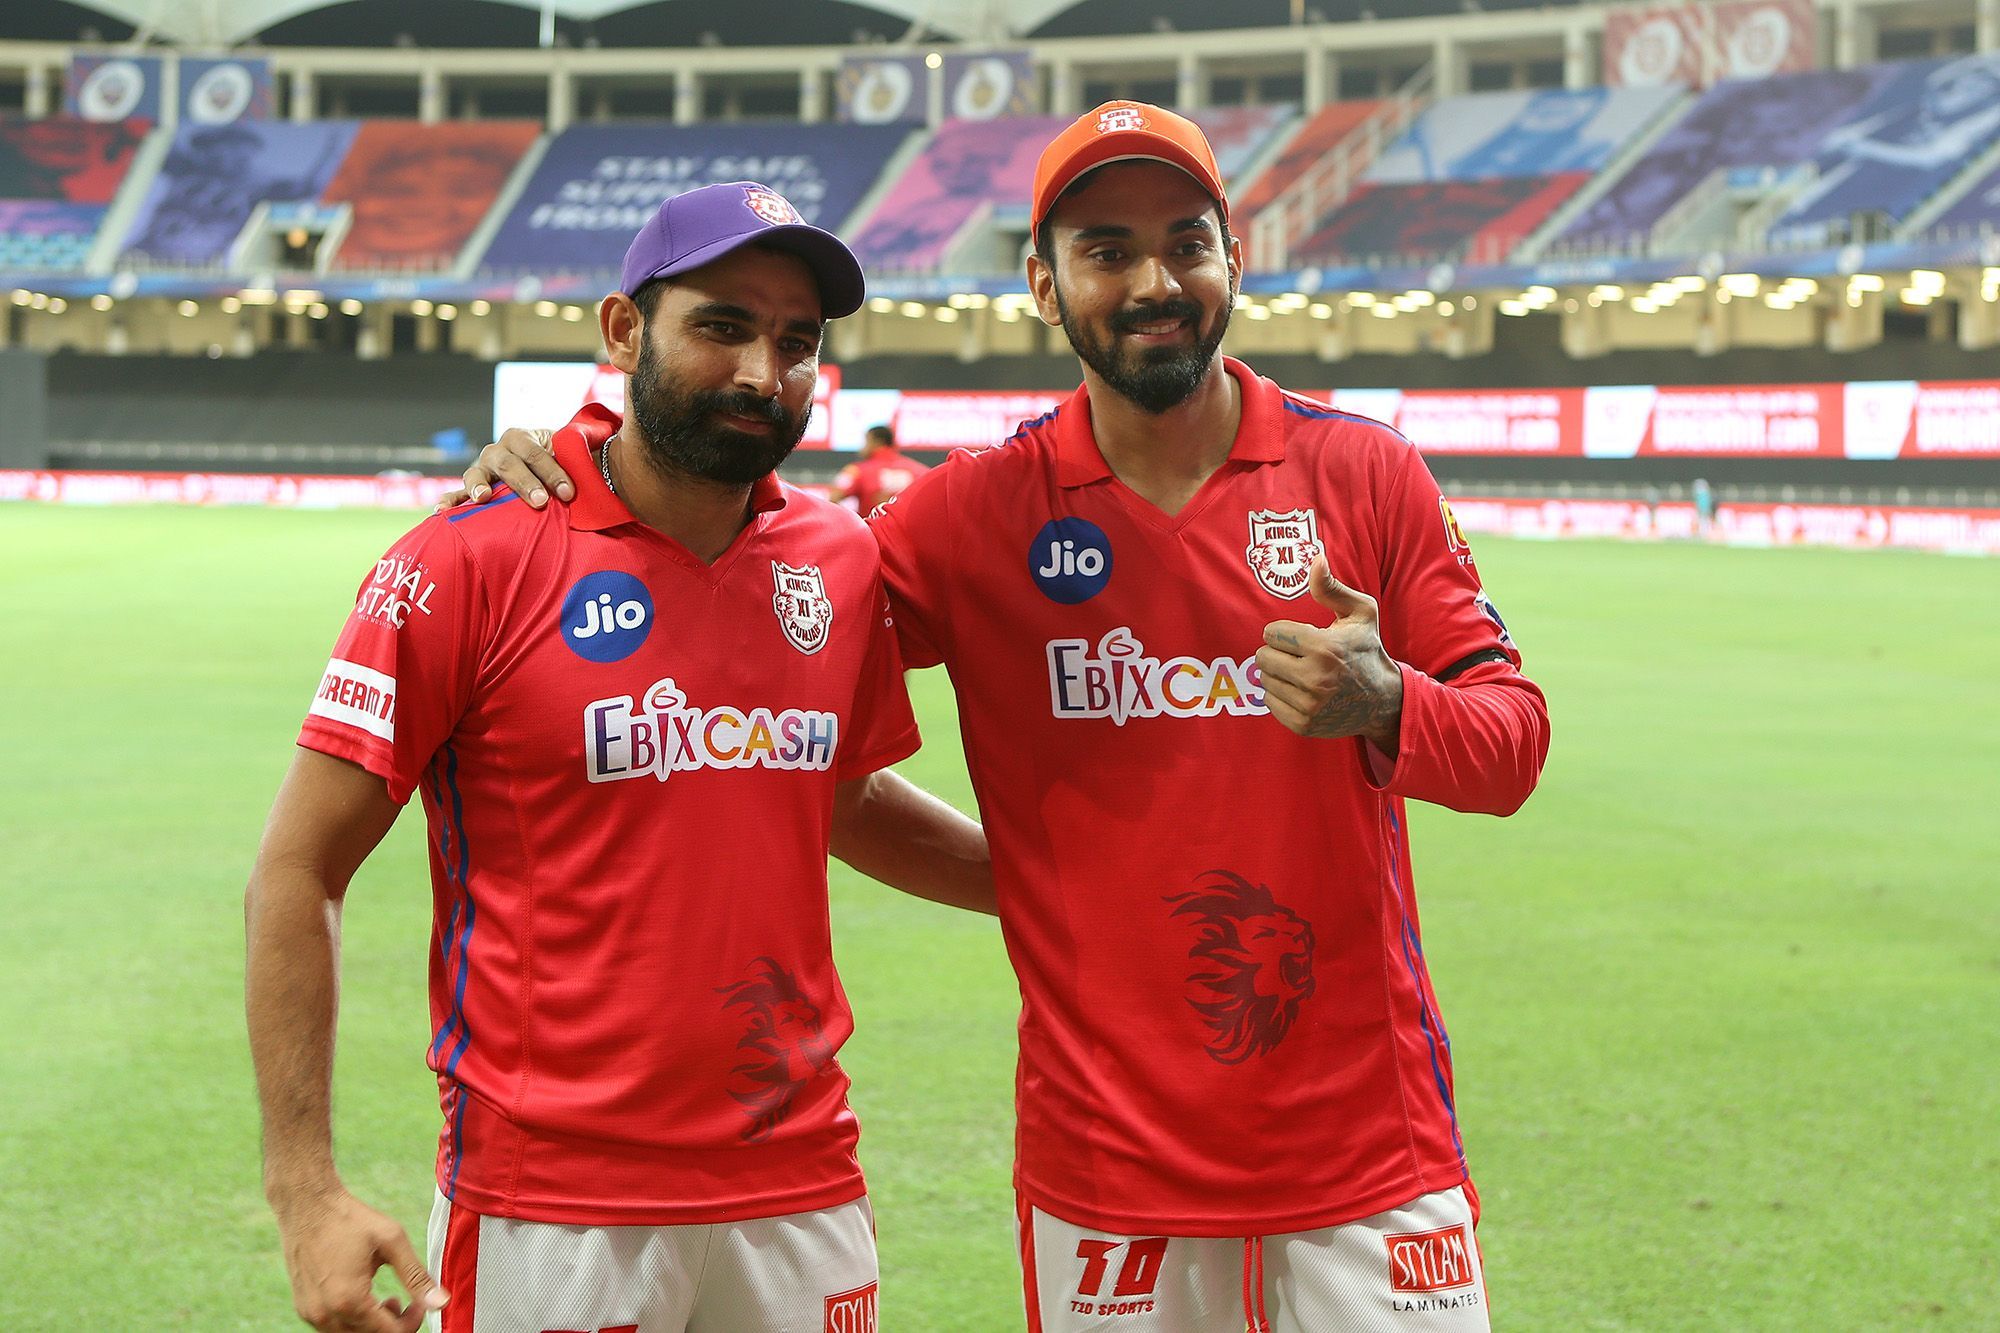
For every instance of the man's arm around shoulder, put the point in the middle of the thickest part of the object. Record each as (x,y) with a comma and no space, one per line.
(896,832)
(328,817)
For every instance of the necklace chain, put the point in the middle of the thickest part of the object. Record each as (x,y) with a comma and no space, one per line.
(604,465)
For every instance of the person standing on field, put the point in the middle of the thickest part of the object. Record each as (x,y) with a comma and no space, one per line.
(1208,638)
(880,475)
(690,672)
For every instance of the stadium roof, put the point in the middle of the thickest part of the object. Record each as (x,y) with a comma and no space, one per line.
(515,23)
(225,22)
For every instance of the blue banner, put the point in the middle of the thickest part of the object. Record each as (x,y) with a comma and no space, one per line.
(215,175)
(883,90)
(114,88)
(598,184)
(1921,129)
(1001,83)
(218,92)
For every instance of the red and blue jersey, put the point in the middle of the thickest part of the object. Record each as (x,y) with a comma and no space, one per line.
(627,761)
(1227,1024)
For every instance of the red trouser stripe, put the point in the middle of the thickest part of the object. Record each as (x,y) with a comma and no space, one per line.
(1256,1317)
(1029,1292)
(458,1272)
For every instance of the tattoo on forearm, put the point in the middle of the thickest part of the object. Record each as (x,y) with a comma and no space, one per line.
(1350,715)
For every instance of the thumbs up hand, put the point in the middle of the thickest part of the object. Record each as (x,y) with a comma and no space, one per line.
(1337,680)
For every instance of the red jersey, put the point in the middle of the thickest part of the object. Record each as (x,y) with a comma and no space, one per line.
(876,479)
(1227,1027)
(627,760)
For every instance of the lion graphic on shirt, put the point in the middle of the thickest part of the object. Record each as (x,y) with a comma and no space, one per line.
(784,1045)
(1253,960)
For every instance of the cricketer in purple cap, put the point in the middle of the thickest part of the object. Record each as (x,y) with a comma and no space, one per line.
(644,1123)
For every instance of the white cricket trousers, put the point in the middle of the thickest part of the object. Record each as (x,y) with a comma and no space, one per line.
(803,1273)
(1413,1269)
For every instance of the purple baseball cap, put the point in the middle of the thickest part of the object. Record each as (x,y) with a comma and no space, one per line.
(693,228)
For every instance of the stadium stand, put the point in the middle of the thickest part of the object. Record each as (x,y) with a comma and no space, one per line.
(1712,178)
(1315,140)
(1475,175)
(57,178)
(1243,137)
(961,206)
(969,171)
(1925,124)
(418,192)
(1544,132)
(596,184)
(1475,221)
(1419,200)
(1977,211)
(215,176)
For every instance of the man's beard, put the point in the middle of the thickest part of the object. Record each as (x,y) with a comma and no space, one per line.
(1156,379)
(682,435)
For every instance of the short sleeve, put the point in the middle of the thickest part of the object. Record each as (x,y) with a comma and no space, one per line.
(403,668)
(1435,614)
(846,486)
(914,531)
(884,729)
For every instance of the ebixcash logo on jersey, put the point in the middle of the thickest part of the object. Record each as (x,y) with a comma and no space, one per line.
(1116,678)
(660,733)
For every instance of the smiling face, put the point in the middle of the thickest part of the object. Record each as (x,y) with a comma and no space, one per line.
(1140,271)
(722,372)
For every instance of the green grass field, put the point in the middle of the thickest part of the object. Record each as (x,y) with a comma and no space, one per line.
(1725,997)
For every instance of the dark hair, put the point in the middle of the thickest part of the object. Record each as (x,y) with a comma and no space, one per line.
(884,434)
(647,297)
(1045,248)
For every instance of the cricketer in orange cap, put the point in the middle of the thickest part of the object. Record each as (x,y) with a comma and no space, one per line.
(1125,132)
(1134,261)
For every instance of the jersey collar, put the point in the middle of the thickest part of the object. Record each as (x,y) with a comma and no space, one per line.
(1260,435)
(595,507)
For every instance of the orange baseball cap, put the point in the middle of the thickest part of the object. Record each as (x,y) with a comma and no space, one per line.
(1124,132)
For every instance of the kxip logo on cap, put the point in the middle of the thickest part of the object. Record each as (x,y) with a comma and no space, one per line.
(771,206)
(1116,118)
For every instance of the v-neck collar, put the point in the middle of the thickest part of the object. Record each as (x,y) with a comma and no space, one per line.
(598,509)
(1260,438)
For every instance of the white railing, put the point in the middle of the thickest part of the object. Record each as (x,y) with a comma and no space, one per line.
(1328,183)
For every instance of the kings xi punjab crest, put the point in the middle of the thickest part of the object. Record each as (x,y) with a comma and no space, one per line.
(1282,549)
(805,612)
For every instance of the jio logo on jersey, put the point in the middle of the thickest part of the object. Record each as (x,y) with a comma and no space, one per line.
(606,616)
(1070,560)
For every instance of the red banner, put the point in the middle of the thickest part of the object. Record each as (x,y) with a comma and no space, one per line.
(1739,421)
(1500,421)
(1698,44)
(1758,38)
(1908,419)
(1871,419)
(66,160)
(419,191)
(1859,527)
(926,419)
(1649,45)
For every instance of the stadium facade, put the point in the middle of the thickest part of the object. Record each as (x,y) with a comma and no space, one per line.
(1479,216)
